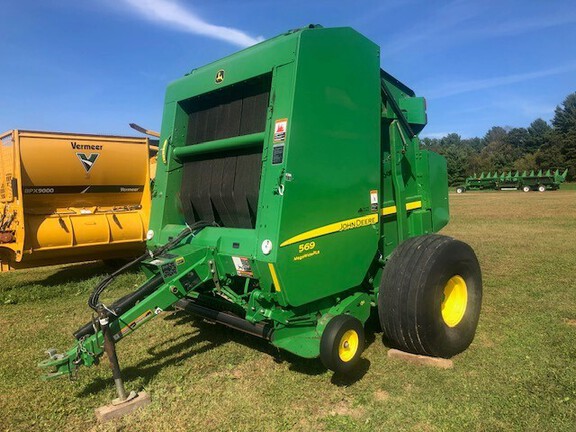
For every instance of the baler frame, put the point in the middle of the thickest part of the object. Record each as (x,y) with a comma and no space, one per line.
(305,280)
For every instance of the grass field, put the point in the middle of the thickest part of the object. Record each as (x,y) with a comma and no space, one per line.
(518,375)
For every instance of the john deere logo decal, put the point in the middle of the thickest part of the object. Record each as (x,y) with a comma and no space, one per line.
(219,76)
(87,161)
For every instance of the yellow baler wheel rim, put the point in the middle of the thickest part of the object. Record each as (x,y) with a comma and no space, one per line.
(348,346)
(455,301)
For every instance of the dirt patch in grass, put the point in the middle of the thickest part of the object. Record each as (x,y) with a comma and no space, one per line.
(381,395)
(344,408)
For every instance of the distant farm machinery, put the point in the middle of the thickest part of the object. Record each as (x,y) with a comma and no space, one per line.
(527,181)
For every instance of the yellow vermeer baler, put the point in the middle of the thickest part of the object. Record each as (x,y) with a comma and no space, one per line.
(72,197)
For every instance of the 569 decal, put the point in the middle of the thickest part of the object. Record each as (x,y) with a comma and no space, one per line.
(306,250)
(305,247)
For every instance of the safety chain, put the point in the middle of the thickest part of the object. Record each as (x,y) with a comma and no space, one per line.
(81,349)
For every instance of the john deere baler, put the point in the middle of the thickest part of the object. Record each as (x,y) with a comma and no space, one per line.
(291,198)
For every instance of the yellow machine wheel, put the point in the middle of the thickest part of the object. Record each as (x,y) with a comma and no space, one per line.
(434,308)
(454,301)
(342,343)
(348,346)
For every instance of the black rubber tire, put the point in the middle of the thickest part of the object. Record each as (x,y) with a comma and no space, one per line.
(331,339)
(526,189)
(460,190)
(412,290)
(541,188)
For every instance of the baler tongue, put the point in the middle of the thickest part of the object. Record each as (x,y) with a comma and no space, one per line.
(125,315)
(58,364)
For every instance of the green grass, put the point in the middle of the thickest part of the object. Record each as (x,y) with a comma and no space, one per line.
(518,375)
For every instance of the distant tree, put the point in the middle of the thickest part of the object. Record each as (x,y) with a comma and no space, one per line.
(457,163)
(477,164)
(518,138)
(539,146)
(539,134)
(564,120)
(451,139)
(495,134)
(500,155)
(549,156)
(564,134)
(526,163)
(567,145)
(476,144)
(427,142)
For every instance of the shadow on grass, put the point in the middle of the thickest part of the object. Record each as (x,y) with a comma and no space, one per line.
(55,282)
(179,349)
(52,276)
(209,336)
(83,271)
(74,273)
(347,380)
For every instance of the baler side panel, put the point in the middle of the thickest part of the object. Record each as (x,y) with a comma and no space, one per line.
(273,179)
(438,189)
(414,185)
(332,141)
(167,208)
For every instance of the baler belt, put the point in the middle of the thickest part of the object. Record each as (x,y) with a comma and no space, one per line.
(223,186)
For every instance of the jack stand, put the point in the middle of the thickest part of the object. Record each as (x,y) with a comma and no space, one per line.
(124,403)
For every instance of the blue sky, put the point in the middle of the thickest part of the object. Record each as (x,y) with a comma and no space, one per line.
(94,66)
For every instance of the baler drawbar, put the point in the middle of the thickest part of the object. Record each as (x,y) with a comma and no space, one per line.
(291,198)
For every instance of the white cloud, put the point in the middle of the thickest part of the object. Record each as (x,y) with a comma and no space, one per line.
(171,12)
(437,29)
(454,87)
(460,21)
(434,135)
(530,107)
(525,25)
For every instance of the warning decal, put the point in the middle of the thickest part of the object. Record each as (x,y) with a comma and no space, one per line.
(280,127)
(374,200)
(130,327)
(243,267)
(277,154)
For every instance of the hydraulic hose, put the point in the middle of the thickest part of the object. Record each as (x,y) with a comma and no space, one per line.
(93,301)
(123,304)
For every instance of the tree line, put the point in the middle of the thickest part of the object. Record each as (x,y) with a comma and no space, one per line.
(539,146)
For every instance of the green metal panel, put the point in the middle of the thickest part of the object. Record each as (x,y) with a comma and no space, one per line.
(332,137)
(414,109)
